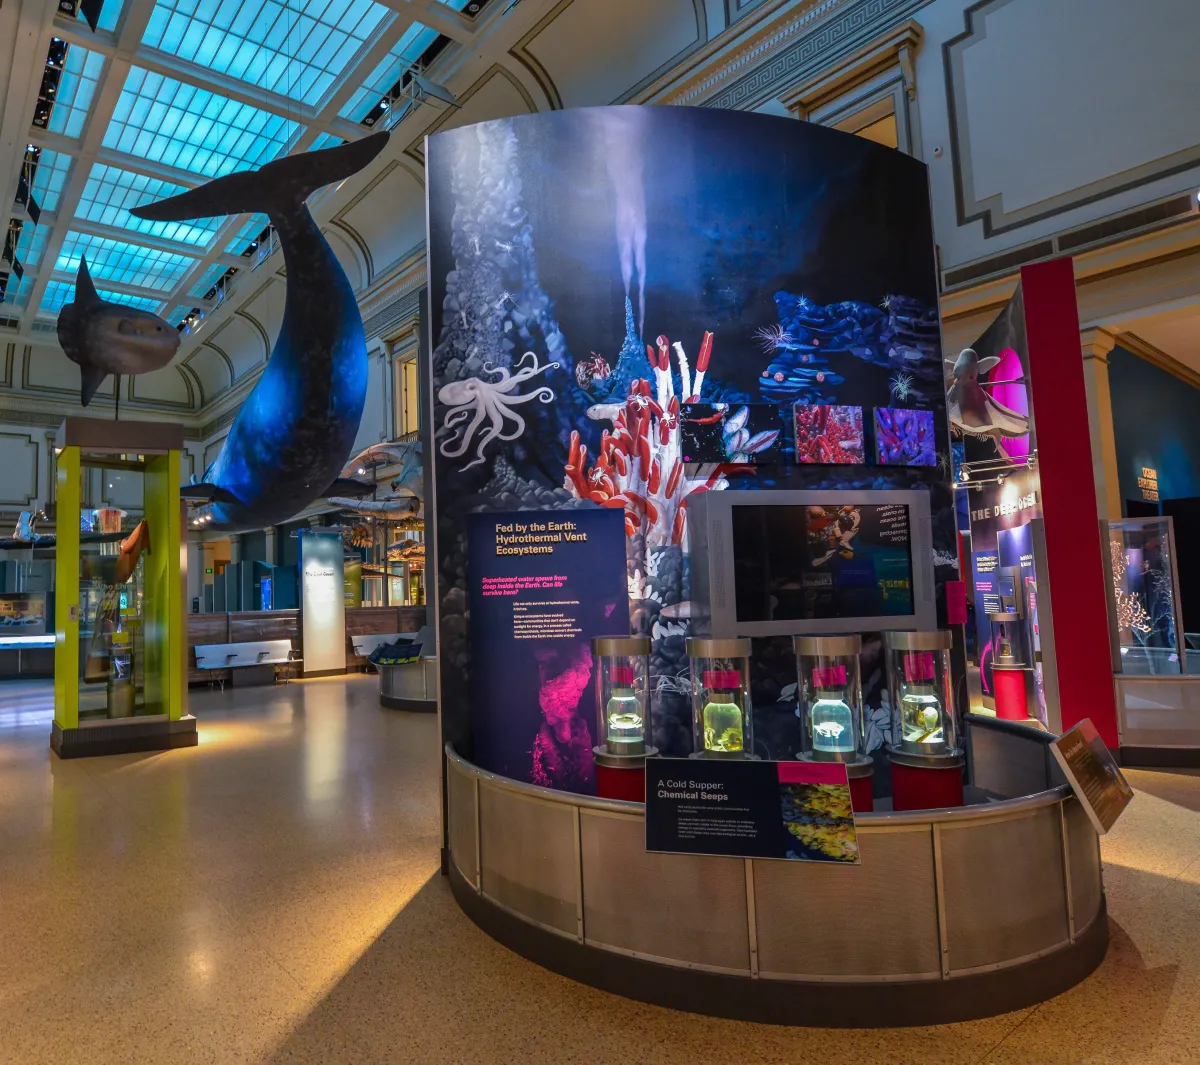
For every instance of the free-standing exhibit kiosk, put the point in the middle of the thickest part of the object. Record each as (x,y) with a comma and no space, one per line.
(120,671)
(694,417)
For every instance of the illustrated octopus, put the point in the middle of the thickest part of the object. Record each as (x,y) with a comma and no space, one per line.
(474,400)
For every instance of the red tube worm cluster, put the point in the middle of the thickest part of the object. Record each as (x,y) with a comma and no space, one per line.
(640,465)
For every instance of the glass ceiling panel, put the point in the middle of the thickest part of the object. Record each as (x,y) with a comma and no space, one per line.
(130,264)
(209,278)
(110,15)
(110,192)
(60,292)
(81,71)
(404,53)
(30,244)
(17,292)
(177,314)
(49,178)
(297,50)
(165,121)
(250,230)
(325,140)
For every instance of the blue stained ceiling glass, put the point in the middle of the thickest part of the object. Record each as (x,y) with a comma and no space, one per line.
(403,54)
(60,292)
(295,49)
(110,193)
(163,120)
(130,264)
(49,177)
(81,72)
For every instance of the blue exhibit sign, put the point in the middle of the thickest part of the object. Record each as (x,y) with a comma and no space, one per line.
(542,584)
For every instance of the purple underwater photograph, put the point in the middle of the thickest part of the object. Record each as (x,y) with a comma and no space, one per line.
(904,437)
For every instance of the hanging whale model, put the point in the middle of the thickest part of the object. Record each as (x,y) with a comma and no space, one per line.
(109,338)
(293,433)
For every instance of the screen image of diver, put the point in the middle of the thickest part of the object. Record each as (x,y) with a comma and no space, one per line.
(821,562)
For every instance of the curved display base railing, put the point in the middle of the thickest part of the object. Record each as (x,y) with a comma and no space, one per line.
(810,1004)
(952,915)
(412,686)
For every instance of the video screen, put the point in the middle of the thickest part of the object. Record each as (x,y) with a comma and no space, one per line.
(805,563)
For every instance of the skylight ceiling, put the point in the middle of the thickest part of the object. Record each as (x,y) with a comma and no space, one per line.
(170,93)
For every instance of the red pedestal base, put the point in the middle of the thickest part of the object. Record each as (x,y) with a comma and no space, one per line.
(1011,701)
(862,793)
(926,787)
(625,784)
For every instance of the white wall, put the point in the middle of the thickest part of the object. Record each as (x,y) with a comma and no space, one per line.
(1065,111)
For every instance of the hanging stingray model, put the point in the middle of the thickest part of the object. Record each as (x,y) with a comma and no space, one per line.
(109,338)
(969,406)
(112,571)
(293,433)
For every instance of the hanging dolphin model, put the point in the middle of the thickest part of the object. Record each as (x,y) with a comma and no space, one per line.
(109,338)
(970,408)
(293,433)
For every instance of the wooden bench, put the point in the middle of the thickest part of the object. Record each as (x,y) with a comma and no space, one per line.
(277,654)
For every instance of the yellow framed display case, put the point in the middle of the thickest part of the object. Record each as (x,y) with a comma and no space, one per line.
(120,671)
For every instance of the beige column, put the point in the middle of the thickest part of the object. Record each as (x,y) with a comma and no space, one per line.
(1096,345)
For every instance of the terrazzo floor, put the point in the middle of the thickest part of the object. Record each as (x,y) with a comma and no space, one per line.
(272,896)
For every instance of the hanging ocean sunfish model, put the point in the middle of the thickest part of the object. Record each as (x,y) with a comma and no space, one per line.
(293,433)
(109,338)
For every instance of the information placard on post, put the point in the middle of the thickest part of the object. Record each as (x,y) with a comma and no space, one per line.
(1093,772)
(799,811)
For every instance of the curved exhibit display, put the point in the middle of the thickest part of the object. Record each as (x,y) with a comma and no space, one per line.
(694,528)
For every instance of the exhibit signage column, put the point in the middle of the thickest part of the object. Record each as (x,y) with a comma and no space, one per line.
(322,602)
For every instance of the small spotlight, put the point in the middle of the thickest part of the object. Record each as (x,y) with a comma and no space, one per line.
(361,470)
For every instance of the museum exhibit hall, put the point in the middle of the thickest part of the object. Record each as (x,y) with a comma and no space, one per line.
(599,531)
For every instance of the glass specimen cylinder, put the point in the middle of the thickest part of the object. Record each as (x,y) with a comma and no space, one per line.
(722,725)
(622,686)
(829,689)
(919,688)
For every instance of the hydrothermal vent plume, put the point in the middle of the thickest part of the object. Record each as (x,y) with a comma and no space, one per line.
(622,137)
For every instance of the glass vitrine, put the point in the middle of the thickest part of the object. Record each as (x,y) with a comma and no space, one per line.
(830,692)
(1145,615)
(919,690)
(622,670)
(722,724)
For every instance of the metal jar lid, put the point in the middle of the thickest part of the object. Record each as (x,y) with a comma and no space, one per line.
(609,646)
(934,640)
(827,646)
(706,647)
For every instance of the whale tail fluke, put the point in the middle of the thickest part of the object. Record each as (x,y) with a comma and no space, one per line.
(272,189)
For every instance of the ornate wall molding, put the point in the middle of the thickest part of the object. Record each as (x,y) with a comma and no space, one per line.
(990,209)
(896,48)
